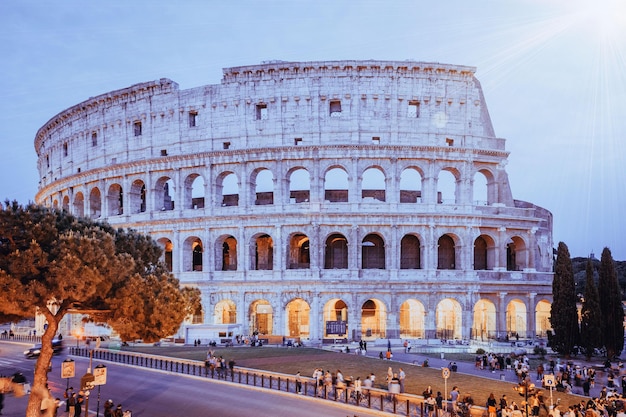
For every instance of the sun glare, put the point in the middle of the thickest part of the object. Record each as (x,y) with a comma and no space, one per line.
(603,18)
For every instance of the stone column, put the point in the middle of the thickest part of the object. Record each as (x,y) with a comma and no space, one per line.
(354,245)
(501,328)
(531,328)
(501,250)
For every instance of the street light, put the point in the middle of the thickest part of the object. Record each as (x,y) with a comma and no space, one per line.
(524,388)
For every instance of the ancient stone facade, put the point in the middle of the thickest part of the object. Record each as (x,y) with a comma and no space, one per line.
(320,200)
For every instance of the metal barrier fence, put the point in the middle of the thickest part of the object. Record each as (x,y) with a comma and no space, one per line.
(373,398)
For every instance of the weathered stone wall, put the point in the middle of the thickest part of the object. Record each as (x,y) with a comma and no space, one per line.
(158,159)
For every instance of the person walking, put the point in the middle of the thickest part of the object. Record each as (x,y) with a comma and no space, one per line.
(491,405)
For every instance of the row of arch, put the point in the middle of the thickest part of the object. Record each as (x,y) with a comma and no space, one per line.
(413,187)
(373,319)
(336,253)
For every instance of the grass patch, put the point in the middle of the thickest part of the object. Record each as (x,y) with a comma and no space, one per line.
(305,360)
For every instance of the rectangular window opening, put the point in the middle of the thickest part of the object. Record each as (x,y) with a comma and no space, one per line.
(414,109)
(335,108)
(226,145)
(261,111)
(163,152)
(137,128)
(376,140)
(94,139)
(193,118)
(65,149)
(297,141)
(450,142)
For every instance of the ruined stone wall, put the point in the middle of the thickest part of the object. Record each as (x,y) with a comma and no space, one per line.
(162,160)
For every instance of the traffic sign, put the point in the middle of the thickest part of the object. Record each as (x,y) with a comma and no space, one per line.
(445,373)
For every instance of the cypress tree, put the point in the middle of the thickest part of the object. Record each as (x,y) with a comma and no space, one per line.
(610,306)
(591,316)
(563,313)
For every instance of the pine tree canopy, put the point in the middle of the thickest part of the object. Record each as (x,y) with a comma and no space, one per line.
(52,262)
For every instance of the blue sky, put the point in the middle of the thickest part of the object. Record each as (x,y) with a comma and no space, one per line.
(553,73)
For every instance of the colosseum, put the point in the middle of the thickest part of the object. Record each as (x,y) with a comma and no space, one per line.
(325,201)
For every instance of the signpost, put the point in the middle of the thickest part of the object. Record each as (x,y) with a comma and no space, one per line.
(100,378)
(67,370)
(445,373)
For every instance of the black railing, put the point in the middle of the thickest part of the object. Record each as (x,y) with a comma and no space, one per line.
(373,398)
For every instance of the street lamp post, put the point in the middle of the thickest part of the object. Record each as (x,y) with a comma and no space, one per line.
(524,388)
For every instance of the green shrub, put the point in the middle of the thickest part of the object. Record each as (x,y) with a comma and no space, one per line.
(480,351)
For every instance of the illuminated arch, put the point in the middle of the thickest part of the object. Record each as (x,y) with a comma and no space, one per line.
(336,312)
(261,317)
(448,317)
(298,318)
(412,314)
(516,318)
(374,319)
(484,320)
(225,312)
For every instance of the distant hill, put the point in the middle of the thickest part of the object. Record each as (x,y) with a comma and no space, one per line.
(580,266)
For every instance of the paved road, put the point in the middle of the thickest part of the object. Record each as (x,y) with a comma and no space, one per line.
(161,394)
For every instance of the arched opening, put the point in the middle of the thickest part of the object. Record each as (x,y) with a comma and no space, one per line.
(79,205)
(95,203)
(449,319)
(542,319)
(228,188)
(480,253)
(373,319)
(336,186)
(261,317)
(412,315)
(484,323)
(410,252)
(335,319)
(163,194)
(226,253)
(263,187)
(197,256)
(299,252)
(263,256)
(373,185)
(66,204)
(446,188)
(481,197)
(446,253)
(336,253)
(299,186)
(516,319)
(168,248)
(115,200)
(298,312)
(410,186)
(515,254)
(194,192)
(137,197)
(225,312)
(373,252)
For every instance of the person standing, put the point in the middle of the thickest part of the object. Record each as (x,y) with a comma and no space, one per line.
(1,401)
(429,405)
(491,405)
(401,377)
(298,383)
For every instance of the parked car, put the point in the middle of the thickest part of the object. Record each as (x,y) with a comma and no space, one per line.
(35,351)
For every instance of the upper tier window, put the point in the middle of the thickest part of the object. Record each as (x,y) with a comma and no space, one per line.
(335,108)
